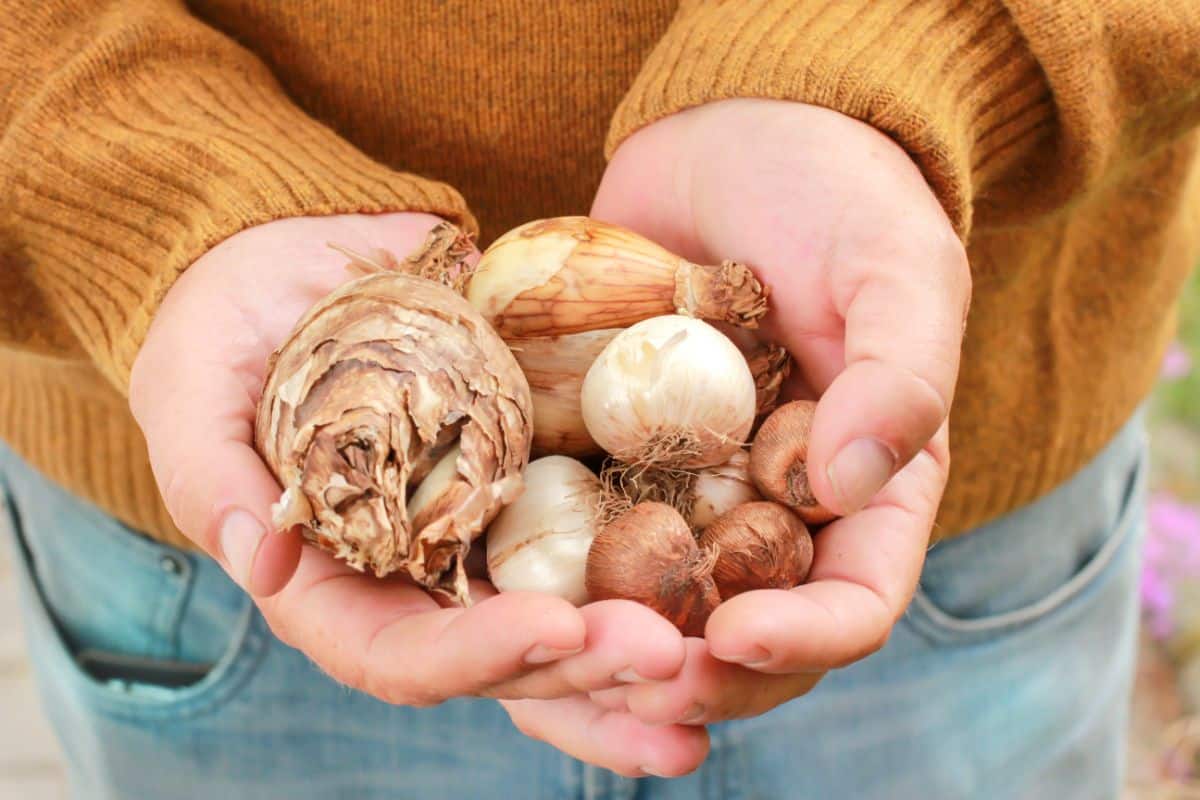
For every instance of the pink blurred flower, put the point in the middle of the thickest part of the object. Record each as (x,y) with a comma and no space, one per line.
(1171,556)
(1176,363)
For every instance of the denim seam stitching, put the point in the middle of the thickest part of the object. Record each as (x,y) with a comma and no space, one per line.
(174,592)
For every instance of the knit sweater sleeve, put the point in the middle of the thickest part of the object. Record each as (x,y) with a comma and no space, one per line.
(133,138)
(1010,107)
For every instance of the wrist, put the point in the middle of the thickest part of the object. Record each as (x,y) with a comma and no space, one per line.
(698,177)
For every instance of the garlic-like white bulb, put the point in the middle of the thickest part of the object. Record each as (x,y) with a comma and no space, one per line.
(671,390)
(722,488)
(540,541)
(434,485)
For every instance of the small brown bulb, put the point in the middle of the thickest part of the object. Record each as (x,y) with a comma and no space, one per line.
(648,555)
(777,461)
(759,545)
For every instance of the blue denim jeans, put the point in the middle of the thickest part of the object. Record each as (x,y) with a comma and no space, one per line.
(1009,677)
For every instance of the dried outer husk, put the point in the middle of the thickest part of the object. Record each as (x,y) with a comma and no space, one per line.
(571,274)
(770,364)
(376,383)
(779,461)
(444,258)
(555,367)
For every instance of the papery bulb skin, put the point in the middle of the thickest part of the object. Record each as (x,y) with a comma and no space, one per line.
(555,367)
(778,461)
(648,555)
(761,545)
(570,274)
(374,385)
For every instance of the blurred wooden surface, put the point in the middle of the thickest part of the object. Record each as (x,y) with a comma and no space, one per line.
(30,766)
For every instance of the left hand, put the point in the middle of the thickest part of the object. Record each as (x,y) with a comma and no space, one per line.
(870,288)
(194,390)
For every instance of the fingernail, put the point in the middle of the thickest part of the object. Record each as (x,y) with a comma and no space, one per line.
(693,715)
(653,772)
(859,471)
(629,675)
(541,654)
(751,658)
(240,537)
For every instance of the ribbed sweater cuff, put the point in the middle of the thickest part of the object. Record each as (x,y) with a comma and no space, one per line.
(952,82)
(115,200)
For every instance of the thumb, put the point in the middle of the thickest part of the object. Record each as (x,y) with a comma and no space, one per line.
(196,416)
(904,322)
(645,187)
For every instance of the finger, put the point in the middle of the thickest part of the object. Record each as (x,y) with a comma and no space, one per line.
(614,699)
(195,418)
(626,643)
(390,639)
(707,690)
(608,739)
(865,569)
(903,333)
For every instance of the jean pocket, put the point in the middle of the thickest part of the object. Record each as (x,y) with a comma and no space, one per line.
(1029,567)
(116,674)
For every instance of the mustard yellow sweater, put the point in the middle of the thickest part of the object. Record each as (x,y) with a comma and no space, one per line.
(136,134)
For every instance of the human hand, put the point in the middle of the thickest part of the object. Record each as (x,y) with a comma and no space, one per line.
(194,391)
(870,288)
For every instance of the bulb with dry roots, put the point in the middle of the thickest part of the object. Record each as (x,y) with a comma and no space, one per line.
(389,381)
(759,545)
(571,274)
(648,555)
(700,495)
(670,391)
(778,461)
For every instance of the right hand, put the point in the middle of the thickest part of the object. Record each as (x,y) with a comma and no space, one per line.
(194,391)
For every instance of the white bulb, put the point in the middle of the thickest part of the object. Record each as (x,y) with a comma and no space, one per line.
(722,488)
(666,386)
(439,479)
(540,541)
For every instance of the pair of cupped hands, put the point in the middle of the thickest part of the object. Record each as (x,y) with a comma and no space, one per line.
(869,293)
